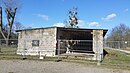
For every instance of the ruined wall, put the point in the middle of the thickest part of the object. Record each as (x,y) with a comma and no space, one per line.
(45,38)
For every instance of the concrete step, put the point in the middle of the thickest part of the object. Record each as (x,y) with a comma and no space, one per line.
(88,56)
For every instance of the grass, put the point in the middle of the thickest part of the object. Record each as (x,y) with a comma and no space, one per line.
(9,53)
(114,59)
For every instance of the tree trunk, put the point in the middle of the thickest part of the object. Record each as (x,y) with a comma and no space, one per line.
(8,37)
(7,42)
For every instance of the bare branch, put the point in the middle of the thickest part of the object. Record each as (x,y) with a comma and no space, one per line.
(73,20)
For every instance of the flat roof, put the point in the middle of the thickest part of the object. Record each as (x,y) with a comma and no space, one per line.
(66,29)
(61,28)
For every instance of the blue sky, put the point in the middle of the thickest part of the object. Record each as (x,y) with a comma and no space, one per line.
(104,14)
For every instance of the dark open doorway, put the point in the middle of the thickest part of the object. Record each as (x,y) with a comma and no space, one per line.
(82,37)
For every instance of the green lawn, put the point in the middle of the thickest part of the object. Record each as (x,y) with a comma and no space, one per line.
(116,57)
(9,53)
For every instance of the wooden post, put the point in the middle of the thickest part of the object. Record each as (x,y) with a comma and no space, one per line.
(58,51)
(0,50)
(0,42)
(0,18)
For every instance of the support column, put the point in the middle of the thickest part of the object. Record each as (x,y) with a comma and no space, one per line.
(98,43)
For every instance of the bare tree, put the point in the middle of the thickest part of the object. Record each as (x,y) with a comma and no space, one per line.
(73,20)
(119,33)
(71,23)
(10,11)
(18,26)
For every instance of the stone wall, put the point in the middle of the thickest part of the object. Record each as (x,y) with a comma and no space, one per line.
(98,43)
(45,37)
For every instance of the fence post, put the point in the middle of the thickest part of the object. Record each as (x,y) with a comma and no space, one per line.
(119,45)
(104,45)
(0,42)
(24,54)
(0,49)
(58,51)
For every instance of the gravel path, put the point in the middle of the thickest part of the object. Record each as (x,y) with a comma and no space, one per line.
(19,66)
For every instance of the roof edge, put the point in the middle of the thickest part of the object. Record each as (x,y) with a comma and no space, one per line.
(59,27)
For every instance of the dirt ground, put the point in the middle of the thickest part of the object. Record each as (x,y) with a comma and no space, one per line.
(26,66)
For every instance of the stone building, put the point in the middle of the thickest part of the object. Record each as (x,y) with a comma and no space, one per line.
(45,40)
